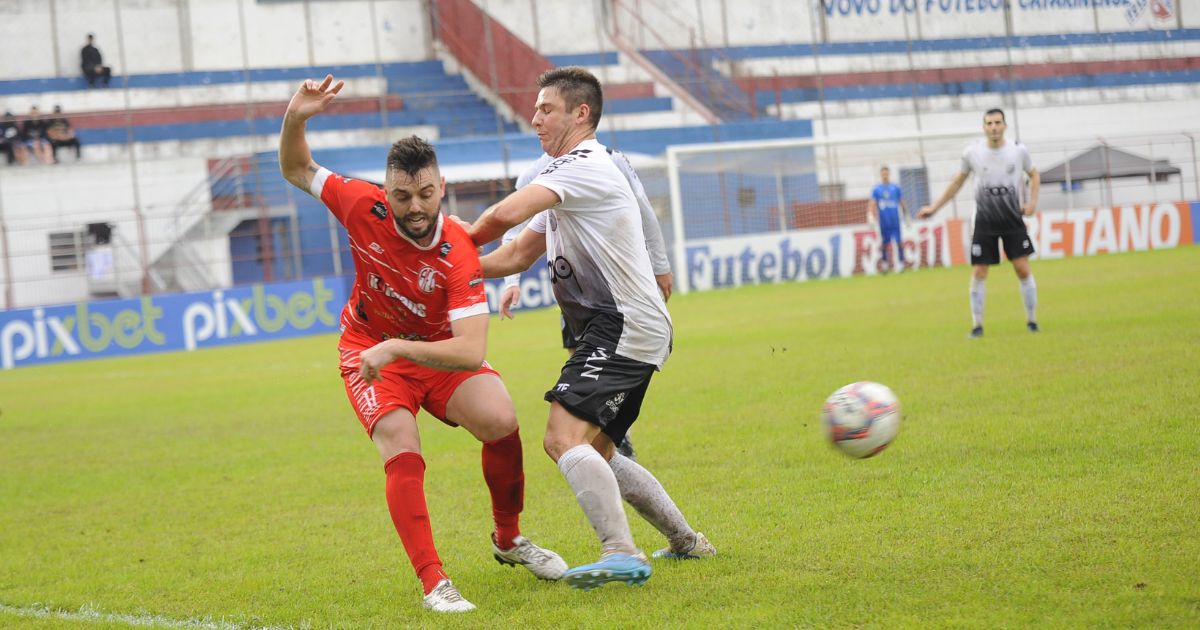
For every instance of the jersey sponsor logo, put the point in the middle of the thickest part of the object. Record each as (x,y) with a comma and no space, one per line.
(427,279)
(374,281)
(577,154)
(999,191)
(379,210)
(405,336)
(592,367)
(417,308)
(560,269)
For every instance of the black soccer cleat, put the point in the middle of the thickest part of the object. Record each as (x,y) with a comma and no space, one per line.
(976,332)
(626,449)
(1033,327)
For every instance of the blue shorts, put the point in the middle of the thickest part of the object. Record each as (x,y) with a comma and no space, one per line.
(891,234)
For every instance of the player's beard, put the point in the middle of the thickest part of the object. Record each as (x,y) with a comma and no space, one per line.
(419,233)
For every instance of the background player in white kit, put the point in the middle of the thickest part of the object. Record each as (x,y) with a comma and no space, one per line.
(655,246)
(998,166)
(605,286)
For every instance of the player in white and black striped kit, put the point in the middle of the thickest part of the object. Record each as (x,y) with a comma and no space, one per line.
(1000,168)
(655,246)
(605,287)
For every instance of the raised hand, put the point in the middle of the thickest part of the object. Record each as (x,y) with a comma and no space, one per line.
(312,98)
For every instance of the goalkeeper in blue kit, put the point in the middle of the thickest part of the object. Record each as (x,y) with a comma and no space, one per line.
(887,201)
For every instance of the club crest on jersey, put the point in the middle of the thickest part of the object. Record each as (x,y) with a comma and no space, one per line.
(427,279)
(445,249)
(379,210)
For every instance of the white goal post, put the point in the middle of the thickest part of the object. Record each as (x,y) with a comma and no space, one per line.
(784,210)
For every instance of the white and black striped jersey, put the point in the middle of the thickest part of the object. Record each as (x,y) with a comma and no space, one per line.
(999,183)
(596,250)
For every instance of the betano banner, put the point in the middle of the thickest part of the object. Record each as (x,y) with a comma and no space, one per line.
(261,312)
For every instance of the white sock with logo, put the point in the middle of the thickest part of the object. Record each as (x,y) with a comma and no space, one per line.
(646,494)
(978,294)
(596,489)
(1029,297)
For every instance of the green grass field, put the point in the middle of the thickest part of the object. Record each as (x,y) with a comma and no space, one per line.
(1048,480)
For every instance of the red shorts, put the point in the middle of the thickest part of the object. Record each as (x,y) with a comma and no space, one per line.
(404,384)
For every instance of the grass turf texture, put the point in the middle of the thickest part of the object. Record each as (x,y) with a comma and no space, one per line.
(1045,480)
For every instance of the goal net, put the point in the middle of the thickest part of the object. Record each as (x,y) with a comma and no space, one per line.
(787,210)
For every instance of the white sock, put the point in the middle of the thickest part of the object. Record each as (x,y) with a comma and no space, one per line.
(596,489)
(978,294)
(644,492)
(1029,297)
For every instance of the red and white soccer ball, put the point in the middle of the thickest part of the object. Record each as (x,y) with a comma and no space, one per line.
(862,418)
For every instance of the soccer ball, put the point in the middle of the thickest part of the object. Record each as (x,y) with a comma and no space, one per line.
(862,418)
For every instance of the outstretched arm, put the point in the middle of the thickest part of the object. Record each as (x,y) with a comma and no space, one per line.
(295,158)
(510,211)
(951,190)
(515,256)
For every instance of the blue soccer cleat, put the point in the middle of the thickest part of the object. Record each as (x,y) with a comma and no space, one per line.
(619,567)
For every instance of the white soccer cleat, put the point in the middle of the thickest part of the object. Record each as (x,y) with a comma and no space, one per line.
(543,563)
(700,549)
(445,598)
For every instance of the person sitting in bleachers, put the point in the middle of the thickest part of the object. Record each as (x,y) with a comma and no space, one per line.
(34,135)
(10,140)
(60,134)
(92,63)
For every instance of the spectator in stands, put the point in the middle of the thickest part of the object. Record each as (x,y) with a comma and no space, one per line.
(60,133)
(93,64)
(34,132)
(1000,168)
(10,140)
(885,207)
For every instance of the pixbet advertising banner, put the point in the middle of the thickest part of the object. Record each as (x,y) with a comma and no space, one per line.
(170,322)
(109,328)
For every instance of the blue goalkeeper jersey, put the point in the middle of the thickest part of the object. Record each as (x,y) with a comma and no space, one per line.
(887,199)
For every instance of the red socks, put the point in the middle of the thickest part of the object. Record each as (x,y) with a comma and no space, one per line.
(505,476)
(406,503)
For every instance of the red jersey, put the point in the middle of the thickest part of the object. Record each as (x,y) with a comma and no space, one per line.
(401,290)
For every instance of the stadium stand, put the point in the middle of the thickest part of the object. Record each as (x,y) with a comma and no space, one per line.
(747,81)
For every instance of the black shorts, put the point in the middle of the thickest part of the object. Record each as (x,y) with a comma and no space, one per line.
(603,388)
(570,341)
(985,248)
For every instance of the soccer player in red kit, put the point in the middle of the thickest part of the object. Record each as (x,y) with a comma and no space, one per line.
(415,335)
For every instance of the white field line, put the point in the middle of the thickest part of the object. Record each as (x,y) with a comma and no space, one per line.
(88,613)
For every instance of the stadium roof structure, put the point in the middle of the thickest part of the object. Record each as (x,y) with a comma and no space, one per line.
(1105,162)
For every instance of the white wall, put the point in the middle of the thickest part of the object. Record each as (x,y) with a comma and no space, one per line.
(42,38)
(35,203)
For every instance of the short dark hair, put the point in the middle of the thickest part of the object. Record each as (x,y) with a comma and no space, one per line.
(411,154)
(995,110)
(577,86)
